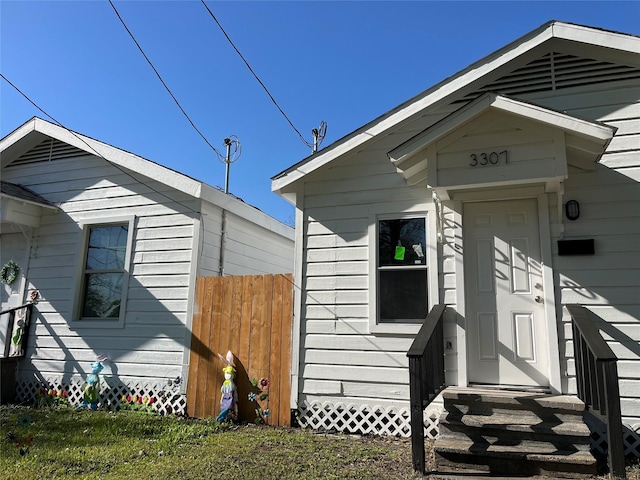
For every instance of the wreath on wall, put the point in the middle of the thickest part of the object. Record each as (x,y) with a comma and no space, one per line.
(9,272)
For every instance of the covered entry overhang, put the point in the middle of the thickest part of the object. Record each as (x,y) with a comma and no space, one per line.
(498,141)
(493,163)
(20,206)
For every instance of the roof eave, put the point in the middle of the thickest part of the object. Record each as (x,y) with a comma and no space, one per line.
(30,202)
(9,145)
(596,131)
(449,87)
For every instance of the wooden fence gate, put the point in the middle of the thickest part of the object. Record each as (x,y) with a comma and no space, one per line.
(252,317)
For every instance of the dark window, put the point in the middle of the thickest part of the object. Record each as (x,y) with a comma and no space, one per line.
(104,272)
(402,270)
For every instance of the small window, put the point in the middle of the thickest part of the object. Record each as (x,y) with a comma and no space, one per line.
(402,271)
(105,272)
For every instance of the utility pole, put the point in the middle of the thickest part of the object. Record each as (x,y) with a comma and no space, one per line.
(234,149)
(233,152)
(227,161)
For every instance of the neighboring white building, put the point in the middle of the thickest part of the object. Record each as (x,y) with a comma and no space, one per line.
(113,243)
(459,196)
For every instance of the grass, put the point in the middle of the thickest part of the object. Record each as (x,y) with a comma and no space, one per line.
(59,442)
(64,443)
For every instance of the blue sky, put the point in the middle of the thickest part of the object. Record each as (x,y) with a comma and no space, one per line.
(345,63)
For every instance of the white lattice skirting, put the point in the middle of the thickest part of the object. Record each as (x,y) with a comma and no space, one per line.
(363,419)
(376,420)
(158,397)
(630,436)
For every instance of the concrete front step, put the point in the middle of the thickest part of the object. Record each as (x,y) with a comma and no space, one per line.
(491,437)
(518,433)
(477,400)
(511,428)
(519,423)
(518,460)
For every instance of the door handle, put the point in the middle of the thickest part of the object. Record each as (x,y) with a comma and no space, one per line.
(538,299)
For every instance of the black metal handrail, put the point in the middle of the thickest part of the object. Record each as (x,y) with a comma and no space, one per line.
(426,378)
(20,346)
(597,382)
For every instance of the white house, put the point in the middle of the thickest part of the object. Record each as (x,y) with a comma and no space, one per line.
(113,243)
(506,192)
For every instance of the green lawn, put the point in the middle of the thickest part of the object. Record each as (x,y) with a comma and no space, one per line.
(63,443)
(59,442)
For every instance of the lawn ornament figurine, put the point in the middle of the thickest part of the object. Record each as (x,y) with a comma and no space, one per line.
(91,387)
(229,398)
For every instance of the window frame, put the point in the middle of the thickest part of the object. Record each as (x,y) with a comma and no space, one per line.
(92,322)
(398,213)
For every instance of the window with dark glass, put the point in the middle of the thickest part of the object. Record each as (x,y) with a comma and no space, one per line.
(104,272)
(402,270)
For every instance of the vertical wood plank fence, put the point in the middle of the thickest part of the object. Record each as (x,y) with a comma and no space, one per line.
(252,317)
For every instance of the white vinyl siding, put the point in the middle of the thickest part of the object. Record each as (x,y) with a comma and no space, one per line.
(152,344)
(608,281)
(174,233)
(250,249)
(342,359)
(338,356)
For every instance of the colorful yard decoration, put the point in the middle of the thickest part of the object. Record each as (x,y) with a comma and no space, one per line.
(21,326)
(51,397)
(229,399)
(138,403)
(91,387)
(261,398)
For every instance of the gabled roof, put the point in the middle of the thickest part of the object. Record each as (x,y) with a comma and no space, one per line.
(598,44)
(589,137)
(17,144)
(36,130)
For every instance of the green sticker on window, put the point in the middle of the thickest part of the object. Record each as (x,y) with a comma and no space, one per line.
(399,253)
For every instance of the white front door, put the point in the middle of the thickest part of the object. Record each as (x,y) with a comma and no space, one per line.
(505,315)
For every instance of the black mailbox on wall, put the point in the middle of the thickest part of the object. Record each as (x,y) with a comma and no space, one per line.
(576,247)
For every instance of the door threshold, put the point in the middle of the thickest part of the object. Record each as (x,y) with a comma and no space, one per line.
(512,388)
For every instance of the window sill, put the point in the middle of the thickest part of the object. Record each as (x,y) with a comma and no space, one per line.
(105,324)
(395,328)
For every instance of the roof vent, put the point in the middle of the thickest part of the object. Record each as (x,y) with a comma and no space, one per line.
(555,71)
(48,151)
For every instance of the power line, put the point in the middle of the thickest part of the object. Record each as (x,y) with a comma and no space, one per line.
(218,153)
(323,127)
(33,103)
(98,154)
(49,116)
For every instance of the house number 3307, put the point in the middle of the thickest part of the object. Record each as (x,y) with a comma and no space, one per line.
(490,158)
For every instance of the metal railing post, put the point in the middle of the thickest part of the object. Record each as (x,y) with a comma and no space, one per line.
(426,380)
(597,379)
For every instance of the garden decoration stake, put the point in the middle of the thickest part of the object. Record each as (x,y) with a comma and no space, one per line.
(91,387)
(21,325)
(229,398)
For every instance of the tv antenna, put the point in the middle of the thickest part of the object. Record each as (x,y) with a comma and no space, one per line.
(234,150)
(318,135)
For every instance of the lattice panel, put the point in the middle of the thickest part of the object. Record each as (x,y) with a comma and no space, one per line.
(351,418)
(363,419)
(159,397)
(631,437)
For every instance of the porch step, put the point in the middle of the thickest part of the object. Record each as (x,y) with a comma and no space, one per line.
(514,433)
(513,428)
